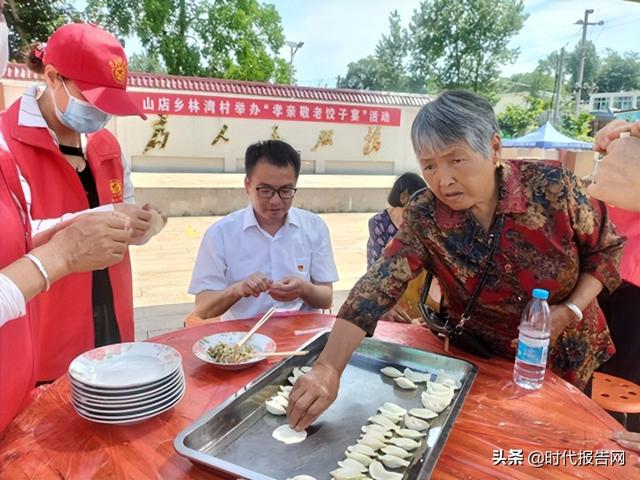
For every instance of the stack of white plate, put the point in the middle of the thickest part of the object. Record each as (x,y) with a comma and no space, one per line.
(126,382)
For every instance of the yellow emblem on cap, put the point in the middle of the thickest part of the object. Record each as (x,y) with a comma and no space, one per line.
(119,69)
(115,185)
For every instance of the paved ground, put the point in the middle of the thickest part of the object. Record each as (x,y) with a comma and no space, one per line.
(162,268)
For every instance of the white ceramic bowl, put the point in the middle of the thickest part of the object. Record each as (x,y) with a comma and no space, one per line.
(261,343)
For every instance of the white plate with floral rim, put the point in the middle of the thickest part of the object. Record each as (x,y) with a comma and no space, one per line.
(130,419)
(112,402)
(125,365)
(128,410)
(260,343)
(115,393)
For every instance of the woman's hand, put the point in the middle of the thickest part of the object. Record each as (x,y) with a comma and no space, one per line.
(91,241)
(561,318)
(398,315)
(140,219)
(312,394)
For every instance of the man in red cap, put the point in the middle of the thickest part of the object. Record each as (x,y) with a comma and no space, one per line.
(70,163)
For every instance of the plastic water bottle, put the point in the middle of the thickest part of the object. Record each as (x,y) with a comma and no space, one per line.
(533,342)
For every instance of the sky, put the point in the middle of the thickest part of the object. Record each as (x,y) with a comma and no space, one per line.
(336,32)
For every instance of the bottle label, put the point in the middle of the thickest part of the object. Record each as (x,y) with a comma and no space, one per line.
(533,351)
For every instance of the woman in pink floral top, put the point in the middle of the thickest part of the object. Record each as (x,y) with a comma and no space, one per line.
(554,237)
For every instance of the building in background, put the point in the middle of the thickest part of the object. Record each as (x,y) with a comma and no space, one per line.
(205,125)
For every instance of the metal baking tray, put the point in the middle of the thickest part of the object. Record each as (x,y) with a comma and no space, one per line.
(234,439)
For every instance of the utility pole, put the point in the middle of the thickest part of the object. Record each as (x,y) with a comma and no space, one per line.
(555,117)
(585,24)
(294,46)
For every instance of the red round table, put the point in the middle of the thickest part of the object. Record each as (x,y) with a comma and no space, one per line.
(498,425)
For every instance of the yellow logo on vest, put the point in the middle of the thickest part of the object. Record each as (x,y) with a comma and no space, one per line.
(118,69)
(115,185)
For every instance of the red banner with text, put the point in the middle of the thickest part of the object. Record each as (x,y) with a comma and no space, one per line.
(233,107)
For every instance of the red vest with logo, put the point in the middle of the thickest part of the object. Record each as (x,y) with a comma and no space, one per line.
(65,312)
(17,361)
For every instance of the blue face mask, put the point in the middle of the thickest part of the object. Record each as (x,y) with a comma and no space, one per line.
(81,116)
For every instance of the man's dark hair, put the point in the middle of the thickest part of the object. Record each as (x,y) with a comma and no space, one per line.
(275,152)
(407,182)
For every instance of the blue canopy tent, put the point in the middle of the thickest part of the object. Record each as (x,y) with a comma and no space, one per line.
(546,137)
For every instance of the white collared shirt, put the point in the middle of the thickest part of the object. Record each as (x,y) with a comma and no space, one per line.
(235,247)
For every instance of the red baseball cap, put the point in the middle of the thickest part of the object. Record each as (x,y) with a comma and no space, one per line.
(96,62)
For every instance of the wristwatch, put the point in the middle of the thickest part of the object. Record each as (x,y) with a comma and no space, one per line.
(575,309)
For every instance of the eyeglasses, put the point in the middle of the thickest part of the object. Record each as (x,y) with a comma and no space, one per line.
(285,193)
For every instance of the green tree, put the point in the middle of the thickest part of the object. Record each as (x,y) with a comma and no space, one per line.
(139,62)
(619,72)
(518,120)
(463,43)
(577,127)
(32,21)
(387,68)
(591,65)
(237,39)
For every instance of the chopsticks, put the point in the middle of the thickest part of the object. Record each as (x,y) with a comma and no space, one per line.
(260,322)
(295,353)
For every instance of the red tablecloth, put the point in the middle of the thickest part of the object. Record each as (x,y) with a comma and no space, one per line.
(48,440)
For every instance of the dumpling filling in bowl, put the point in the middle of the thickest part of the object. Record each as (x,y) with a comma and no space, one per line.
(225,353)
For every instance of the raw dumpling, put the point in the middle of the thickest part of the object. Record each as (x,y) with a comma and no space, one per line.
(392,407)
(279,399)
(363,449)
(391,372)
(302,477)
(424,413)
(407,432)
(390,414)
(275,408)
(396,451)
(405,443)
(373,441)
(454,383)
(377,472)
(359,457)
(352,464)
(405,383)
(383,421)
(292,379)
(286,388)
(288,435)
(416,377)
(283,394)
(298,372)
(346,474)
(439,389)
(435,403)
(414,423)
(306,369)
(376,434)
(392,461)
(376,428)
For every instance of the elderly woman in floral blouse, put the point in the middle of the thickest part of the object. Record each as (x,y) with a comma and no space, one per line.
(553,237)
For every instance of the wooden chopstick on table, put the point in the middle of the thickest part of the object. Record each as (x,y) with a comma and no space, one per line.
(295,353)
(260,322)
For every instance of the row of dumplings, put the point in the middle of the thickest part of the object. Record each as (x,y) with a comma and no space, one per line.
(387,441)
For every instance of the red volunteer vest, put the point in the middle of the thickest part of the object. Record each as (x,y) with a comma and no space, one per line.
(17,361)
(65,323)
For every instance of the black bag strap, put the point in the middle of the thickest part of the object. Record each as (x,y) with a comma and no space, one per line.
(494,239)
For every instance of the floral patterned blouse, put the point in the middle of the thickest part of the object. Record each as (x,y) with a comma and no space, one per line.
(381,230)
(552,233)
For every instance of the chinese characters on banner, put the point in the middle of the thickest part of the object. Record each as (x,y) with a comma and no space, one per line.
(265,109)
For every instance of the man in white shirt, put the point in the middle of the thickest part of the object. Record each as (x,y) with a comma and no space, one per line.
(268,254)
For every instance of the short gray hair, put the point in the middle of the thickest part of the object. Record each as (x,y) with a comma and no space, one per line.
(454,116)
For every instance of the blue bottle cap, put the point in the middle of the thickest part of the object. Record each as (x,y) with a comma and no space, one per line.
(540,294)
